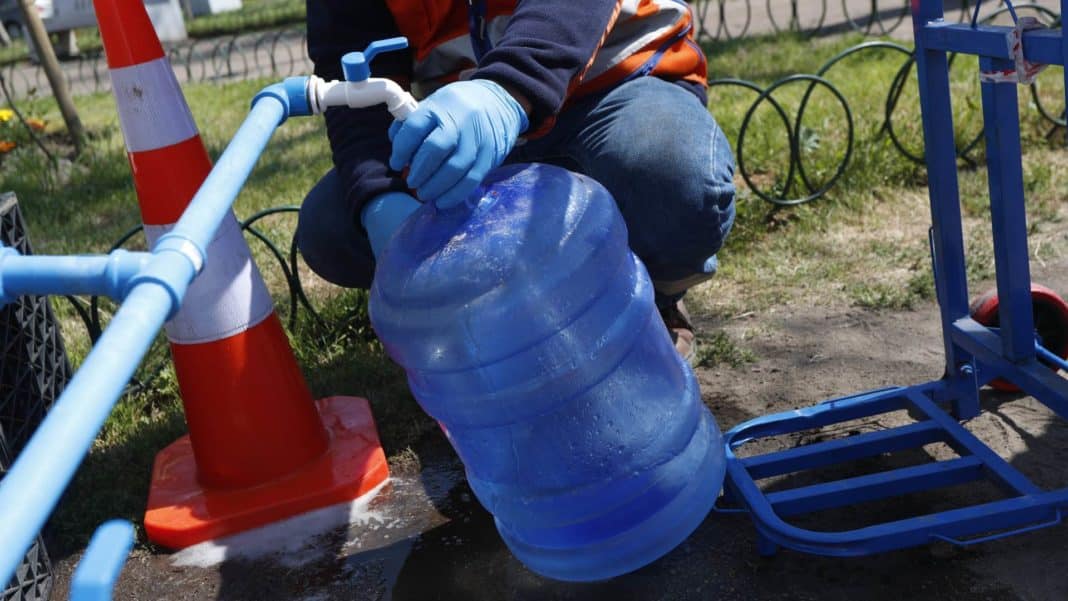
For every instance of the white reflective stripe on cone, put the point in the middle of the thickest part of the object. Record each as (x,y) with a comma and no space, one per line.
(152,111)
(227,298)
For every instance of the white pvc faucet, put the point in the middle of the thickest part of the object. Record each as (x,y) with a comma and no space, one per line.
(359,89)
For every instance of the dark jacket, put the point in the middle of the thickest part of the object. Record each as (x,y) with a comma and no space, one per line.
(543,52)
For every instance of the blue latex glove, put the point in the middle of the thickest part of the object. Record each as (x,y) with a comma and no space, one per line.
(455,138)
(383,215)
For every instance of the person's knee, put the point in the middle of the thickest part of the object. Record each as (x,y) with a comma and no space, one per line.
(703,206)
(673,178)
(698,214)
(330,240)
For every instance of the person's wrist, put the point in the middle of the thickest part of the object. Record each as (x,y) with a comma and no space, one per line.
(521,99)
(515,100)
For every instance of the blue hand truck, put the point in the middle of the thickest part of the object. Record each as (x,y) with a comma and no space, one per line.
(975,354)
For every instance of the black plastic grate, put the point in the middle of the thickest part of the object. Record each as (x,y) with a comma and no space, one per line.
(33,578)
(33,372)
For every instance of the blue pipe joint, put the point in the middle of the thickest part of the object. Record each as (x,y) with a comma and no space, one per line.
(5,252)
(123,266)
(357,65)
(177,261)
(95,577)
(292,93)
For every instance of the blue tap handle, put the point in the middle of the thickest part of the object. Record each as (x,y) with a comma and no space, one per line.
(357,65)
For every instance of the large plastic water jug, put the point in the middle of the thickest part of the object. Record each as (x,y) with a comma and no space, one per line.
(527,328)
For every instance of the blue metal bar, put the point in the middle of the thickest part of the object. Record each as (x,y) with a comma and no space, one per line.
(870,487)
(966,521)
(100,566)
(1004,518)
(1001,119)
(967,343)
(851,448)
(1046,355)
(965,443)
(1042,352)
(1056,519)
(107,275)
(1033,377)
(833,411)
(932,70)
(1064,53)
(1040,45)
(30,490)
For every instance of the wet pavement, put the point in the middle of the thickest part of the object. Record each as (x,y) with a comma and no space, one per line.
(424,536)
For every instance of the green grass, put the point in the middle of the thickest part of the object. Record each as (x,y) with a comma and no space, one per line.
(876,213)
(864,243)
(718,348)
(253,16)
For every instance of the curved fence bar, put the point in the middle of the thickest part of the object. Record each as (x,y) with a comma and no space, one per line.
(784,196)
(32,487)
(275,53)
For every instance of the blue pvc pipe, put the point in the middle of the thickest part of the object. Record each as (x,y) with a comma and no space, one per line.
(107,275)
(216,196)
(32,487)
(30,490)
(99,568)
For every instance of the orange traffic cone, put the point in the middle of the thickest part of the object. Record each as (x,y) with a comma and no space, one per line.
(257,449)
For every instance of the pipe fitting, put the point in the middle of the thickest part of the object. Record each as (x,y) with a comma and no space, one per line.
(5,252)
(174,242)
(171,271)
(176,260)
(122,267)
(293,94)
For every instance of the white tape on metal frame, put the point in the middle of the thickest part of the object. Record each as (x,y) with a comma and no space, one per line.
(152,111)
(227,298)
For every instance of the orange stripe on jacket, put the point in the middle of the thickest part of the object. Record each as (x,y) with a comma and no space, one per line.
(682,60)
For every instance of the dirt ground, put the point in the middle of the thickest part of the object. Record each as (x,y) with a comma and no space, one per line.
(424,536)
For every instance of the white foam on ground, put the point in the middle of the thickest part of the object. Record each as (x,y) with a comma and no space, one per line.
(292,539)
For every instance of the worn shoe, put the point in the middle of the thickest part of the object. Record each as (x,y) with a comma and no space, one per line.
(677,320)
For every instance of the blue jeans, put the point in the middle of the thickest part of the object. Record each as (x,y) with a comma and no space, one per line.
(649,142)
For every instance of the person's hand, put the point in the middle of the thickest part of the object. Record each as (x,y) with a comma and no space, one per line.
(383,215)
(455,137)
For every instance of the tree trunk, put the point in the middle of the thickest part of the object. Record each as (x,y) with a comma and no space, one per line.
(36,30)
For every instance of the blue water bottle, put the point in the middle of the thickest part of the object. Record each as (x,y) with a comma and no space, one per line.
(527,328)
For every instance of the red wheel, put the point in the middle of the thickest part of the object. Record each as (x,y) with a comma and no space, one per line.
(1051,322)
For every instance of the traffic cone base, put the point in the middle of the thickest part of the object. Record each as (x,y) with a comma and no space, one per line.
(182,513)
